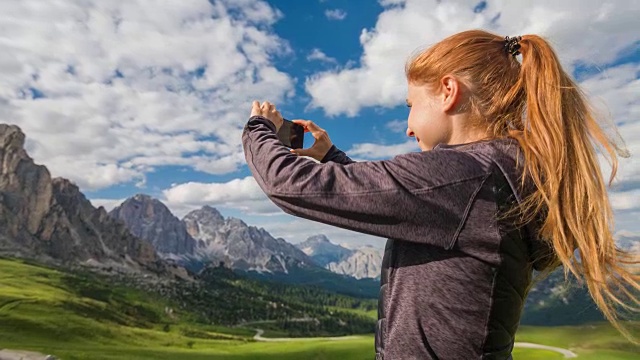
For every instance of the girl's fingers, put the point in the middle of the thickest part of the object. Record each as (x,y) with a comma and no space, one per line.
(309,126)
(255,108)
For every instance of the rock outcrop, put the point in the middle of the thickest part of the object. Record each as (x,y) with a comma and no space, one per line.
(50,219)
(241,246)
(364,262)
(149,219)
(323,251)
(361,262)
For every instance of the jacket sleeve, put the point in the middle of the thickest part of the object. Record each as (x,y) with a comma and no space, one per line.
(336,155)
(420,197)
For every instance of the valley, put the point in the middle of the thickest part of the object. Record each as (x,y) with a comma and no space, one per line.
(50,311)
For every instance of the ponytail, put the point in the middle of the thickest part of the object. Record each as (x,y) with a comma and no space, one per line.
(559,138)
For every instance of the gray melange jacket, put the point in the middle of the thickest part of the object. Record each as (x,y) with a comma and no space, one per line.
(454,278)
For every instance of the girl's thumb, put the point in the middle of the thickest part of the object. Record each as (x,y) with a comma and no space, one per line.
(299,152)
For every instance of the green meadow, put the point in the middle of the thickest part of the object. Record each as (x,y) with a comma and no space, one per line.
(47,310)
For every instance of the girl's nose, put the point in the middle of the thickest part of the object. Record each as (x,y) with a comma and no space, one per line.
(410,133)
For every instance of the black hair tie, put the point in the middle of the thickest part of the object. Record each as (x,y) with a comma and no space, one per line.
(512,45)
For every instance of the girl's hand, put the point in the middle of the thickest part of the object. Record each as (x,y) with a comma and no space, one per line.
(267,110)
(321,145)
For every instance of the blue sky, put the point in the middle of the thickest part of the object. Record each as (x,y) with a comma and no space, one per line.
(127,97)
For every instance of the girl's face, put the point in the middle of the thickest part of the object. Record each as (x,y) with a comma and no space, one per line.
(427,121)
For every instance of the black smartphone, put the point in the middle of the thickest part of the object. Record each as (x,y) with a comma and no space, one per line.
(291,134)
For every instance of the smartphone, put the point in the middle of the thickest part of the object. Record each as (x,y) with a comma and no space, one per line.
(291,134)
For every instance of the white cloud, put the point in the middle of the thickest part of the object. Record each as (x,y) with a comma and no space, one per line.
(590,32)
(627,221)
(614,94)
(130,85)
(241,194)
(625,200)
(391,3)
(108,204)
(335,14)
(372,151)
(317,54)
(397,126)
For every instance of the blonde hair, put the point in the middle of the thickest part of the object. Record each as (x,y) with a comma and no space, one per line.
(538,104)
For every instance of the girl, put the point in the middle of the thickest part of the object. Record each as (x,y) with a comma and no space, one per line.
(508,181)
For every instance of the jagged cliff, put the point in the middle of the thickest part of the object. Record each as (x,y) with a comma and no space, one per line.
(50,219)
(151,220)
(239,245)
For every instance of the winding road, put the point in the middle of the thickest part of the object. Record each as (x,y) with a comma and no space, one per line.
(568,354)
(259,332)
(6,354)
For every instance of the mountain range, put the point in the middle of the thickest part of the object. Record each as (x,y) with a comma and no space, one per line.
(362,262)
(205,236)
(50,220)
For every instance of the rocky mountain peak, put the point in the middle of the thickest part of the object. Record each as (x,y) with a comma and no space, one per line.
(320,238)
(239,245)
(205,217)
(11,138)
(149,219)
(206,213)
(211,211)
(359,262)
(142,198)
(235,222)
(322,250)
(363,262)
(47,218)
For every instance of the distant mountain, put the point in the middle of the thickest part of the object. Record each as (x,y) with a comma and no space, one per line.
(236,245)
(361,262)
(628,240)
(323,251)
(241,246)
(315,276)
(149,219)
(364,262)
(51,220)
(554,301)
(204,237)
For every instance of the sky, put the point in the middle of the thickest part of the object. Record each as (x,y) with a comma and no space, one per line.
(139,96)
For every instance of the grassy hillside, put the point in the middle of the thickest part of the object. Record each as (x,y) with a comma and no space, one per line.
(79,317)
(75,317)
(237,299)
(591,342)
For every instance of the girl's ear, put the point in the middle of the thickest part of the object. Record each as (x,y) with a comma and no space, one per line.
(451,92)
